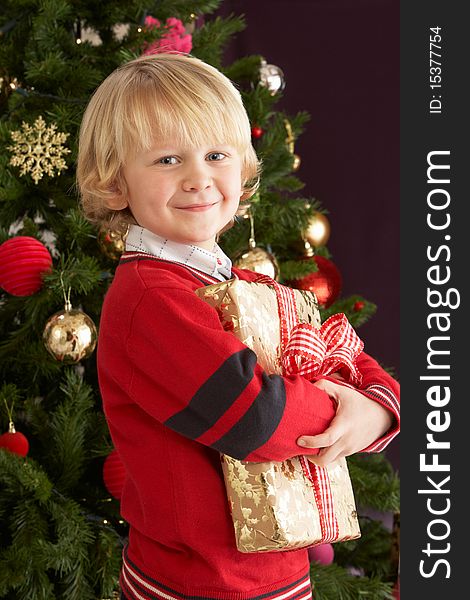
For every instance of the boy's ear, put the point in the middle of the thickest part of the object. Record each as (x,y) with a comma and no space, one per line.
(118,200)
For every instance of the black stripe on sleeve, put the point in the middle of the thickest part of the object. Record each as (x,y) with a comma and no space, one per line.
(215,396)
(258,423)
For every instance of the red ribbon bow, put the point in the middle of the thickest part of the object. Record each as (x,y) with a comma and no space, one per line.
(315,352)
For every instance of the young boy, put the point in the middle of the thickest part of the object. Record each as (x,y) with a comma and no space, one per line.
(165,148)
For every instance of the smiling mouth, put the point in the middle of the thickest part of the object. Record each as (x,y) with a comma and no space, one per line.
(197,207)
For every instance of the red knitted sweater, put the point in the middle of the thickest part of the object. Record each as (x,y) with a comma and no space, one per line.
(177,391)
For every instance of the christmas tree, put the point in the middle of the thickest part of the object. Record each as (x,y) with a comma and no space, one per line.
(61,532)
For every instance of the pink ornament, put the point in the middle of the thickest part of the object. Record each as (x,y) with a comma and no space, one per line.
(151,22)
(175,39)
(323,554)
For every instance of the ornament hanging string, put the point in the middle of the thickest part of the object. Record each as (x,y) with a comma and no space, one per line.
(252,242)
(68,304)
(308,249)
(11,426)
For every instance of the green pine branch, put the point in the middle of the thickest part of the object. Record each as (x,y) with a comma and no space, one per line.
(293,269)
(66,432)
(259,103)
(181,8)
(244,71)
(375,482)
(357,309)
(19,476)
(290,183)
(210,40)
(81,274)
(68,554)
(370,554)
(333,582)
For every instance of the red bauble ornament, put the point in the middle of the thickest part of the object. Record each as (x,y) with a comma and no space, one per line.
(323,554)
(325,283)
(23,261)
(256,132)
(114,474)
(14,441)
(359,305)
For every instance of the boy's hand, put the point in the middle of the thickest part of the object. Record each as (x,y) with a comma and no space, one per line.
(358,422)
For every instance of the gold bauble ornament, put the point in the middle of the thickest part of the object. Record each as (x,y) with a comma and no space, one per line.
(70,335)
(259,260)
(318,230)
(296,162)
(112,243)
(271,77)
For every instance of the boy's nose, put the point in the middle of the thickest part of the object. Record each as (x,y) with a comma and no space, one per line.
(196,180)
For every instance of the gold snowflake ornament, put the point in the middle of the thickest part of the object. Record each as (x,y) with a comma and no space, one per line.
(38,149)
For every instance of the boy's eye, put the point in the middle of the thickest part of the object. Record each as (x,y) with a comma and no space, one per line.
(167,160)
(215,156)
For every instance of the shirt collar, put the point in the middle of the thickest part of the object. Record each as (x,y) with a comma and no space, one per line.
(216,263)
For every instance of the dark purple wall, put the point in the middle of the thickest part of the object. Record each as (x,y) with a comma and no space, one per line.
(341,63)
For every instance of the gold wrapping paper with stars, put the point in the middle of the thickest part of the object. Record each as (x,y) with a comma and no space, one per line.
(274,505)
(249,310)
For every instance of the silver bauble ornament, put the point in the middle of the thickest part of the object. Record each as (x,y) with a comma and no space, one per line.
(272,77)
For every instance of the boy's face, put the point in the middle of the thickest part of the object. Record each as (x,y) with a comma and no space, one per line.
(184,194)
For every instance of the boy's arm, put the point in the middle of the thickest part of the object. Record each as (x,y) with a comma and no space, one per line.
(378,385)
(367,417)
(202,382)
(381,387)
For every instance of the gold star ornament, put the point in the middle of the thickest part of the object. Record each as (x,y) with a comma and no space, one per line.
(39,149)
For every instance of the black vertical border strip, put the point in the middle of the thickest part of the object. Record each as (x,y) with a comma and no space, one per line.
(433,563)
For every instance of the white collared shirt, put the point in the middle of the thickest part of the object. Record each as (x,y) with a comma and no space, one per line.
(215,263)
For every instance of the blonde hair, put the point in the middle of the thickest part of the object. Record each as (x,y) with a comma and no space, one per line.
(153,97)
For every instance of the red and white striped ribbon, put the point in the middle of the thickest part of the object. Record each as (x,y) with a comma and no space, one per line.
(313,352)
(318,476)
(320,480)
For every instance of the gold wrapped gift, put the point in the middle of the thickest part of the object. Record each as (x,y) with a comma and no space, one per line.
(279,506)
